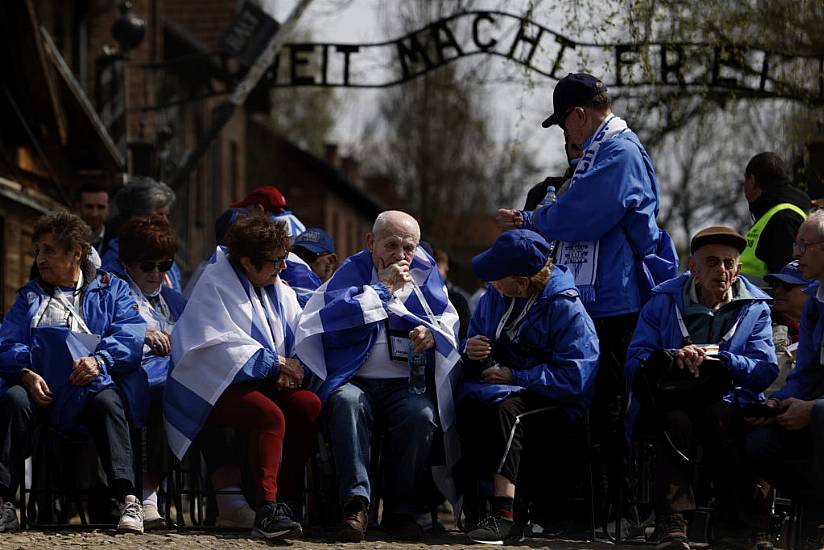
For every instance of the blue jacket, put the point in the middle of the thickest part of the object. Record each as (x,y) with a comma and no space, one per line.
(806,380)
(108,310)
(749,354)
(619,189)
(557,347)
(143,385)
(110,261)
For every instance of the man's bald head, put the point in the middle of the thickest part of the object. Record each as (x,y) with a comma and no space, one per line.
(394,220)
(395,236)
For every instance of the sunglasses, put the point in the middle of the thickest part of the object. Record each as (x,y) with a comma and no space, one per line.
(163,267)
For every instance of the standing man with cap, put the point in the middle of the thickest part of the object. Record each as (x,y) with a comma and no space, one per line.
(778,208)
(530,363)
(604,219)
(315,247)
(789,451)
(709,313)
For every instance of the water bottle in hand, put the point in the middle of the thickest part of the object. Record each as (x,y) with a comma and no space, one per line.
(417,371)
(550,197)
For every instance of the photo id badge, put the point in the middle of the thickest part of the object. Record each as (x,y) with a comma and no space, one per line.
(399,343)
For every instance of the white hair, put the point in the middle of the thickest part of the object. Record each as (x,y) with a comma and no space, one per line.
(390,218)
(817,218)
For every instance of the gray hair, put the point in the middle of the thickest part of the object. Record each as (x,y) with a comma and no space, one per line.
(394,217)
(143,196)
(817,218)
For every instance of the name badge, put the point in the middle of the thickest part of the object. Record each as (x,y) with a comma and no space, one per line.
(399,347)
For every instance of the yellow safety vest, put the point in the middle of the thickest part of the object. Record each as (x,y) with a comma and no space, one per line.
(751,264)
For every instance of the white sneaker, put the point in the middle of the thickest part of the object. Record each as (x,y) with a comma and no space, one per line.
(131,515)
(152,518)
(239,518)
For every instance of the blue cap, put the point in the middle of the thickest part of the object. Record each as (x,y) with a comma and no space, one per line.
(789,274)
(519,252)
(316,240)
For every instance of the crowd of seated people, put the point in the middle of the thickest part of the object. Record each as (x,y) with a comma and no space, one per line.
(276,343)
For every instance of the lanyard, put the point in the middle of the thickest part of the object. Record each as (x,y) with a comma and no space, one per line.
(424,303)
(517,320)
(686,334)
(72,311)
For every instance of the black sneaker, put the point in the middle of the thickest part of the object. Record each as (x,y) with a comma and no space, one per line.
(8,517)
(274,521)
(674,533)
(492,530)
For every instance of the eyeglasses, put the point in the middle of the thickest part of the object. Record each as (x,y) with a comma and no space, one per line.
(562,124)
(163,267)
(279,260)
(801,246)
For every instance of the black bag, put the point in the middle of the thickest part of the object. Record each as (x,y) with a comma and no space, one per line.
(661,385)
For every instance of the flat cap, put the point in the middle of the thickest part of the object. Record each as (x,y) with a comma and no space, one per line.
(718,235)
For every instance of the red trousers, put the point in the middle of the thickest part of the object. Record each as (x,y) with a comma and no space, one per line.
(262,414)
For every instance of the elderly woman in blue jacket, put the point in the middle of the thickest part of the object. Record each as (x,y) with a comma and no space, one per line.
(147,249)
(710,312)
(69,331)
(531,350)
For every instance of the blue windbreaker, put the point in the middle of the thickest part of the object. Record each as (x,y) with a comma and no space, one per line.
(143,385)
(108,310)
(554,352)
(110,261)
(619,189)
(806,380)
(749,353)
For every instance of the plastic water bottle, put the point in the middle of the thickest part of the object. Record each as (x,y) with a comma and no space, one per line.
(549,198)
(417,372)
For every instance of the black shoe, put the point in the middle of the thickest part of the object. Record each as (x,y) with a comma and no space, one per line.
(274,521)
(492,530)
(674,530)
(401,527)
(8,517)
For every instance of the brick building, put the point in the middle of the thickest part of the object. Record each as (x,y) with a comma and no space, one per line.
(106,111)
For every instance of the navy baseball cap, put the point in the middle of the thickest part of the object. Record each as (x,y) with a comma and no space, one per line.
(519,252)
(789,274)
(316,240)
(574,90)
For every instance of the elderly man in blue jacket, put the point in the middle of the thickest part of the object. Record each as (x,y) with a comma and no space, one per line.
(789,447)
(532,352)
(709,313)
(604,216)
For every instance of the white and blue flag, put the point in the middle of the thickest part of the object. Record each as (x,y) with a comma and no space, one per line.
(224,324)
(340,322)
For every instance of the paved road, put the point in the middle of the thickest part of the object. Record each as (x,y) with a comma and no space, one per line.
(43,540)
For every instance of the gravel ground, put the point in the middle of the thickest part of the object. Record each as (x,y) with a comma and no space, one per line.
(37,539)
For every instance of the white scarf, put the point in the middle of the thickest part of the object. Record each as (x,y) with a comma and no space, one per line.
(582,256)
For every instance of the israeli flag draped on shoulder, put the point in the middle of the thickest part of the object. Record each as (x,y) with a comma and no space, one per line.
(293,225)
(581,257)
(340,323)
(350,300)
(224,324)
(300,278)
